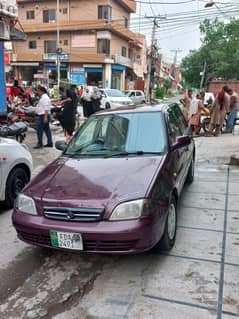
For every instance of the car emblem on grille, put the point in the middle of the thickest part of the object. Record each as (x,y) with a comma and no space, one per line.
(70,215)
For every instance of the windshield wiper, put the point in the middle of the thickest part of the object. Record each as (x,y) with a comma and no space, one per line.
(137,153)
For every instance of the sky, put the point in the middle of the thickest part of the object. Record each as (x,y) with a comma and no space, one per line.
(178,22)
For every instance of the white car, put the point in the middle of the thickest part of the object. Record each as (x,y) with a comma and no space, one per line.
(136,96)
(112,98)
(15,169)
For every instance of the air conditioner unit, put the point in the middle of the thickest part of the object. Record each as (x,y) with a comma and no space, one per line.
(4,31)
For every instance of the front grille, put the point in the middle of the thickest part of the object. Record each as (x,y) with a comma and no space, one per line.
(74,214)
(107,245)
(88,245)
(35,238)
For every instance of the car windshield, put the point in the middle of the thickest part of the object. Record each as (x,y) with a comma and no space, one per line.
(120,135)
(114,93)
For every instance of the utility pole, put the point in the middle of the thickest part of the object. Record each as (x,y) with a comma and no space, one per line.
(176,51)
(152,62)
(203,74)
(58,50)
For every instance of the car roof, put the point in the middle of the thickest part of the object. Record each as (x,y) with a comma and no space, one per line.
(162,107)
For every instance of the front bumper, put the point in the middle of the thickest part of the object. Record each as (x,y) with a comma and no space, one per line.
(115,237)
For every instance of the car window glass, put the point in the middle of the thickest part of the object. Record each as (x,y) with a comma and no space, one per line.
(173,126)
(120,132)
(138,94)
(146,133)
(182,124)
(132,94)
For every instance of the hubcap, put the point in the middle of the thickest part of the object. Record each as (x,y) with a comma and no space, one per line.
(19,184)
(171,221)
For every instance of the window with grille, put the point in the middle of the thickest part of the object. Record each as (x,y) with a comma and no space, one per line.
(32,44)
(64,11)
(103,46)
(49,15)
(105,12)
(30,15)
(124,51)
(65,42)
(50,46)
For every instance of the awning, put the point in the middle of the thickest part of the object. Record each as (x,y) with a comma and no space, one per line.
(118,68)
(94,70)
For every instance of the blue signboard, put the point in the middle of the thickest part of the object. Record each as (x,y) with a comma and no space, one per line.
(3,107)
(78,78)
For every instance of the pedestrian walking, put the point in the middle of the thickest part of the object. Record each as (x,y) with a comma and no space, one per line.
(218,112)
(186,102)
(96,98)
(87,103)
(81,91)
(234,107)
(43,109)
(195,120)
(67,117)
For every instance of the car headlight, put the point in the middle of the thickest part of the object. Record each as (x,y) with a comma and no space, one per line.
(26,204)
(128,210)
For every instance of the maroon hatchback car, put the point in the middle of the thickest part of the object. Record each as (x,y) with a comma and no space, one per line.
(115,187)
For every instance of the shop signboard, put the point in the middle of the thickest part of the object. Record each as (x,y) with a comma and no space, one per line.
(53,57)
(78,78)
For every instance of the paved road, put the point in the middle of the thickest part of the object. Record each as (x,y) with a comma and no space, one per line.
(198,279)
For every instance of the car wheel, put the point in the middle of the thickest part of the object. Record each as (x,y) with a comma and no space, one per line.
(107,105)
(190,176)
(169,235)
(205,125)
(16,180)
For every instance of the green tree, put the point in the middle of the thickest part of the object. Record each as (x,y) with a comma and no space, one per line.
(220,50)
(167,84)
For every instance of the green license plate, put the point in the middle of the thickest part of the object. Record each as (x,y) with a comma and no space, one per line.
(66,240)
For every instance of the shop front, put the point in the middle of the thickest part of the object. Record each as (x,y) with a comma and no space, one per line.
(118,77)
(94,75)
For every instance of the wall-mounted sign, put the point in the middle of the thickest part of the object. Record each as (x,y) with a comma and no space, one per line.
(53,57)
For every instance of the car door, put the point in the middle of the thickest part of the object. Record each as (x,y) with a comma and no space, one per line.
(103,98)
(184,128)
(179,155)
(132,96)
(138,97)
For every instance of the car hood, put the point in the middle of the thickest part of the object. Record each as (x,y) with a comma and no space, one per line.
(94,182)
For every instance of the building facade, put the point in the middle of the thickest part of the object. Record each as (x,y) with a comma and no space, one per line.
(88,41)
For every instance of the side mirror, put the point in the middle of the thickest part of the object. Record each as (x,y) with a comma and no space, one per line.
(60,145)
(182,141)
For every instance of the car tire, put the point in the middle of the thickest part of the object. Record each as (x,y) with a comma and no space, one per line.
(107,105)
(16,180)
(205,125)
(190,175)
(170,229)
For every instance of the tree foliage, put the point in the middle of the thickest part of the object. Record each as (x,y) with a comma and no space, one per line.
(220,50)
